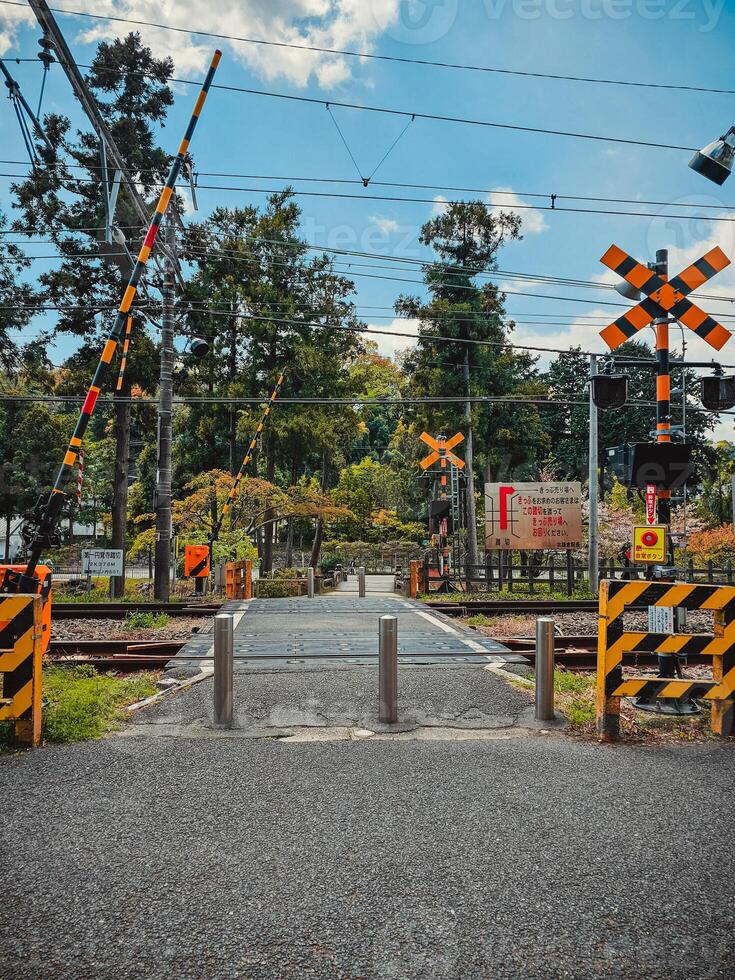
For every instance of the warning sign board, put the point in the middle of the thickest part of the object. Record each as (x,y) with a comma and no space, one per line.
(196,561)
(649,544)
(533,516)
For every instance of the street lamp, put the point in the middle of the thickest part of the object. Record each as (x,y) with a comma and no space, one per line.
(715,160)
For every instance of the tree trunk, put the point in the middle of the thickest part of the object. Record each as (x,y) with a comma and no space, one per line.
(317,543)
(469,467)
(289,528)
(270,472)
(316,546)
(120,484)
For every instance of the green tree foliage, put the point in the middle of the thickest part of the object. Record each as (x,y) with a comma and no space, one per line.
(27,429)
(365,487)
(714,505)
(568,425)
(17,300)
(466,239)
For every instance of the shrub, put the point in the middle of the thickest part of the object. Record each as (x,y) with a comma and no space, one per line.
(266,588)
(329,563)
(716,545)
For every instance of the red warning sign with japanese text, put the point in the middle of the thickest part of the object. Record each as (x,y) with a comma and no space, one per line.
(533,516)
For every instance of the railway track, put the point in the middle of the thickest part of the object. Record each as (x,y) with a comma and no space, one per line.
(119,610)
(125,655)
(500,607)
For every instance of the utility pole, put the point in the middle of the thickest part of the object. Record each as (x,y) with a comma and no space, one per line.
(162,573)
(593,480)
(663,394)
(469,460)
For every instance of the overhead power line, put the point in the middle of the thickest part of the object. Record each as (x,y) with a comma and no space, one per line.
(367,55)
(357,402)
(411,113)
(542,195)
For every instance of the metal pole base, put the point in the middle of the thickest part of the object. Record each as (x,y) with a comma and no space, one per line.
(673,707)
(669,665)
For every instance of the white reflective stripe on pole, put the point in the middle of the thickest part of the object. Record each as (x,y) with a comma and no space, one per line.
(223,661)
(593,479)
(310,582)
(544,669)
(388,668)
(361,581)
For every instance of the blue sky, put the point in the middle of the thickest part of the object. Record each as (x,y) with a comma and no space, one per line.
(679,42)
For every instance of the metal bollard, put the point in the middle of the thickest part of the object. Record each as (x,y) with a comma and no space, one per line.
(388,668)
(361,581)
(310,582)
(223,660)
(544,669)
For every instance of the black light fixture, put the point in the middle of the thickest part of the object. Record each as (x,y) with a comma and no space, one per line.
(609,390)
(715,160)
(198,347)
(717,392)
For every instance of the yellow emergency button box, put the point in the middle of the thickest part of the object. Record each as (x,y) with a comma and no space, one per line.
(649,544)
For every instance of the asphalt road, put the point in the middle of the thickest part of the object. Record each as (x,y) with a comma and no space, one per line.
(532,857)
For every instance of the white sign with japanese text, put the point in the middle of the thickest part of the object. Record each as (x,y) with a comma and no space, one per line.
(102,561)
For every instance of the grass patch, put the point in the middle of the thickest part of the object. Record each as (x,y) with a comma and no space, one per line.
(569,682)
(146,620)
(81,704)
(84,704)
(479,619)
(100,592)
(521,594)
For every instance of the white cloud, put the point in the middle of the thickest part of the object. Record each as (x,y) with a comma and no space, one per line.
(389,346)
(387,225)
(323,23)
(11,18)
(584,333)
(439,206)
(533,222)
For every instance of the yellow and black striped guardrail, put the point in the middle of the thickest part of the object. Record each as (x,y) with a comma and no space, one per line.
(614,642)
(21,653)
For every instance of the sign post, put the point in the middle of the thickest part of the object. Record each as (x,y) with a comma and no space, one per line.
(663,300)
(442,453)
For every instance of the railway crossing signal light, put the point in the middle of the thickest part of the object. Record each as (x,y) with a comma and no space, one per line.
(715,160)
(609,390)
(718,392)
